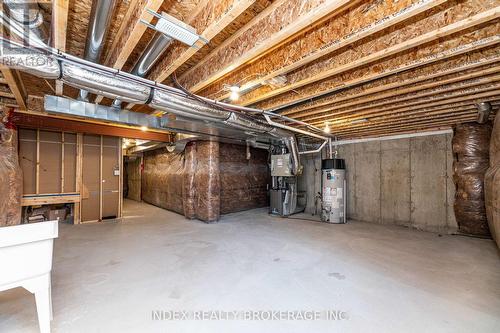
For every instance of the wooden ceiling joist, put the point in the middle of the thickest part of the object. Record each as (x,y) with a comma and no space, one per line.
(59,27)
(130,33)
(216,16)
(275,25)
(483,94)
(343,30)
(385,120)
(420,124)
(354,58)
(363,75)
(15,85)
(438,88)
(417,79)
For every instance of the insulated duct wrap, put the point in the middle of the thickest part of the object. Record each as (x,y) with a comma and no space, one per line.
(207,181)
(492,183)
(11,181)
(162,179)
(471,149)
(188,184)
(243,178)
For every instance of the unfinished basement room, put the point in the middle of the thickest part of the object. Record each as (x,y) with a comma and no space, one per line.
(250,166)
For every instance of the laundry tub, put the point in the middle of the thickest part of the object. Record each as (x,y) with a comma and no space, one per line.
(26,261)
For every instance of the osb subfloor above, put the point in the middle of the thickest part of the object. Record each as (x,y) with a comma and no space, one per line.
(361,68)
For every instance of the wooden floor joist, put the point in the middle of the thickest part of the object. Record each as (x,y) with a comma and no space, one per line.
(307,93)
(209,23)
(323,73)
(307,49)
(130,33)
(397,83)
(278,23)
(409,99)
(471,94)
(59,25)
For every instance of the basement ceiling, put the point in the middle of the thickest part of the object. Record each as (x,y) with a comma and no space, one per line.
(360,68)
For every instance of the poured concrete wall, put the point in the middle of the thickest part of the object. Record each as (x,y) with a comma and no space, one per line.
(405,182)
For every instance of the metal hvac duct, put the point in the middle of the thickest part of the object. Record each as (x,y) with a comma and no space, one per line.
(153,51)
(29,15)
(483,112)
(100,18)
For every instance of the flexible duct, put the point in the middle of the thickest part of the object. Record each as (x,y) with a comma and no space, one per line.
(28,14)
(100,18)
(113,84)
(483,112)
(153,51)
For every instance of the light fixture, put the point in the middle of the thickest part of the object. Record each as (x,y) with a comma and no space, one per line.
(144,128)
(235,93)
(327,128)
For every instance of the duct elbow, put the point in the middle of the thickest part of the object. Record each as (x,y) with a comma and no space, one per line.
(483,112)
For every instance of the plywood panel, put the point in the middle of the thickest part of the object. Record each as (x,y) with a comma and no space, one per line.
(27,159)
(91,179)
(69,166)
(50,162)
(395,181)
(110,180)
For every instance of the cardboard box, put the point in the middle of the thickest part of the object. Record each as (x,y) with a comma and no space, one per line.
(55,214)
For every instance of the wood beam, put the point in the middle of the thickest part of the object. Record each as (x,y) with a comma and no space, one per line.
(475,95)
(394,99)
(129,33)
(268,30)
(366,74)
(59,25)
(357,23)
(421,79)
(325,69)
(216,16)
(32,120)
(16,85)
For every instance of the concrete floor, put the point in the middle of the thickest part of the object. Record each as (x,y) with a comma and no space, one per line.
(108,277)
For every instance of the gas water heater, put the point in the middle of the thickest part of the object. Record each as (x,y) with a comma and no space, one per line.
(333,195)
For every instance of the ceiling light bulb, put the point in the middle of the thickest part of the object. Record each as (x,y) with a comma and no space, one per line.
(235,95)
(144,128)
(327,128)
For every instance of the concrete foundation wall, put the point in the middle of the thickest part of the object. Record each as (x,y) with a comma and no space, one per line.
(405,182)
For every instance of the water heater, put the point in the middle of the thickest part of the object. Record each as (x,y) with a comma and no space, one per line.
(333,191)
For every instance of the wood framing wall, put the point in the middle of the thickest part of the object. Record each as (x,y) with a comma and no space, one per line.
(62,167)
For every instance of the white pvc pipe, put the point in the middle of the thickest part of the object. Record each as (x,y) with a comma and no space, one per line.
(393,137)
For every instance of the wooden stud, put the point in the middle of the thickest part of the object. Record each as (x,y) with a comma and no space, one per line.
(100,180)
(269,26)
(59,27)
(62,162)
(120,181)
(79,179)
(37,172)
(16,85)
(382,54)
